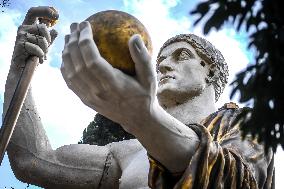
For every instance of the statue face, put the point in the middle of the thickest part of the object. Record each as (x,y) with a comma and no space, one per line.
(181,74)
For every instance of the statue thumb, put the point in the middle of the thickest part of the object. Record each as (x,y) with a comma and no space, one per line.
(53,35)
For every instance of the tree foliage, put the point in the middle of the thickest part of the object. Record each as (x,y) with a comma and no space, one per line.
(262,82)
(103,131)
(4,3)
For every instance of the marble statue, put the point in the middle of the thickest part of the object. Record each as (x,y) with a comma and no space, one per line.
(183,141)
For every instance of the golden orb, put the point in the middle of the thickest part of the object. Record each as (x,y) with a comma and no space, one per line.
(112,30)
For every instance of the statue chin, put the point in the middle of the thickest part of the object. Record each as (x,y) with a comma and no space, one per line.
(169,98)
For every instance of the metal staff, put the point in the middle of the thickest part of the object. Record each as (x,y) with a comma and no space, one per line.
(16,104)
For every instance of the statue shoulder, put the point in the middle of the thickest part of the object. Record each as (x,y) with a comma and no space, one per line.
(123,151)
(233,106)
(225,120)
(229,105)
(228,110)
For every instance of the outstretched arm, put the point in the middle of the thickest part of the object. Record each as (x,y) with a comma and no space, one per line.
(31,156)
(126,100)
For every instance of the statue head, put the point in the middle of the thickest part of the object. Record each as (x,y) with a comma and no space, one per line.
(212,57)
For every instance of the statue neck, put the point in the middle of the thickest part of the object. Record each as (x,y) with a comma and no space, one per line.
(196,109)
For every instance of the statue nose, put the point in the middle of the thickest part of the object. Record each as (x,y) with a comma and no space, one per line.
(164,68)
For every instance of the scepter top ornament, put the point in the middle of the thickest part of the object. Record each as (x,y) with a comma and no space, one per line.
(48,21)
(112,30)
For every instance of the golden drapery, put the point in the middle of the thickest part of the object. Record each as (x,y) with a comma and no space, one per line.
(222,160)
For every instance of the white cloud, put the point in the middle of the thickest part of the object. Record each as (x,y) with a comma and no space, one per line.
(156,18)
(63,114)
(7,39)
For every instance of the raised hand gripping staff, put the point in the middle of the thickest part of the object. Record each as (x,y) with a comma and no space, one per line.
(31,55)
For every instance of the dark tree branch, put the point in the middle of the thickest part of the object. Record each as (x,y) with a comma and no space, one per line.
(262,82)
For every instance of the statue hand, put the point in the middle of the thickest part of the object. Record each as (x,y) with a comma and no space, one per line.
(120,97)
(33,38)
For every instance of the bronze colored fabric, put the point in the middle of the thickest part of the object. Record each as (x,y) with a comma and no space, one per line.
(222,160)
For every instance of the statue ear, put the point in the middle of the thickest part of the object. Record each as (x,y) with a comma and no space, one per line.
(213,74)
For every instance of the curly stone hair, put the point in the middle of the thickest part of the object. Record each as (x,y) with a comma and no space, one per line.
(219,72)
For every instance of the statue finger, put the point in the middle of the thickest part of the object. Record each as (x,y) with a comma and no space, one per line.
(145,71)
(67,80)
(53,35)
(80,86)
(25,49)
(37,29)
(74,27)
(86,40)
(84,75)
(65,75)
(38,40)
(79,76)
(73,48)
(45,12)
(67,64)
(77,89)
(91,55)
(68,72)
(66,39)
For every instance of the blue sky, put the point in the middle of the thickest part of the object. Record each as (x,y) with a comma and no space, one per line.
(63,114)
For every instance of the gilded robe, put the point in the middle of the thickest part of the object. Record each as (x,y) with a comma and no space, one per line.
(222,160)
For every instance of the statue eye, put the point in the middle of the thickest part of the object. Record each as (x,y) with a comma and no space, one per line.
(184,55)
(160,59)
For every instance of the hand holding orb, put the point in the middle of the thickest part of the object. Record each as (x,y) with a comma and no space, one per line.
(112,30)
